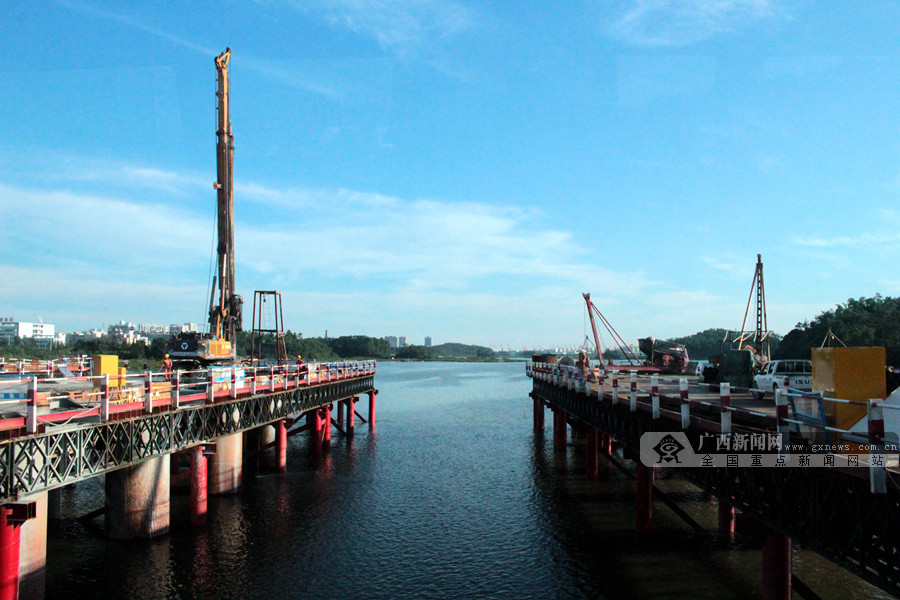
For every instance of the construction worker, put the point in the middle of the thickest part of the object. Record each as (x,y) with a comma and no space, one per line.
(583,365)
(167,365)
(301,366)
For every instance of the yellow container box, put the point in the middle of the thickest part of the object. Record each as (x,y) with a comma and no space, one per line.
(855,373)
(107,364)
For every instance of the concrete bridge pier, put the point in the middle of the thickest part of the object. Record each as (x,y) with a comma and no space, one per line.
(268,453)
(776,567)
(252,456)
(137,499)
(225,466)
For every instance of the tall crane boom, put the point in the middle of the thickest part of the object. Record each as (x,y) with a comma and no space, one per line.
(218,346)
(225,317)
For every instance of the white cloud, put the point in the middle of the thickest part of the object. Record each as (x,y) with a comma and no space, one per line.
(130,176)
(684,22)
(397,24)
(348,260)
(848,241)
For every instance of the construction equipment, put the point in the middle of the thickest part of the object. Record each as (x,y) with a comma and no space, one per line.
(745,352)
(218,346)
(268,321)
(669,360)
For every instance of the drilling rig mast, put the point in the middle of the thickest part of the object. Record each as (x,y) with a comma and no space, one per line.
(218,346)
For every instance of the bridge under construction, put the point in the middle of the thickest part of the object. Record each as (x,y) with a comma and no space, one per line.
(136,428)
(832,485)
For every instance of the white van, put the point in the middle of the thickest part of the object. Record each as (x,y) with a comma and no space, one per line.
(795,374)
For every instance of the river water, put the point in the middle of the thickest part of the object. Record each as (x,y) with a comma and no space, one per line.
(451,496)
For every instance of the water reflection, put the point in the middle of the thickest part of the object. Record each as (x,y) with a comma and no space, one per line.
(455,497)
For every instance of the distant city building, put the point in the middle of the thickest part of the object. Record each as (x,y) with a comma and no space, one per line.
(402,341)
(93,334)
(428,341)
(186,328)
(129,333)
(391,340)
(42,333)
(151,330)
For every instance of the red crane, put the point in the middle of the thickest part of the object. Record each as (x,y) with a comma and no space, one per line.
(634,363)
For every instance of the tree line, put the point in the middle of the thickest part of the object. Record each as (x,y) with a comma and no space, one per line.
(857,322)
(318,349)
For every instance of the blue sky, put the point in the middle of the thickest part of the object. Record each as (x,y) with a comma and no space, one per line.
(456,169)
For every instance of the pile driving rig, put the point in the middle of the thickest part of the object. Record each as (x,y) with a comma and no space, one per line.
(193,349)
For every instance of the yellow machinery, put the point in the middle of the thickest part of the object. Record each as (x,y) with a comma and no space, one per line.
(855,373)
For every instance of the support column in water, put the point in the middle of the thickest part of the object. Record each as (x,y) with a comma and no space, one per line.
(267,447)
(198,489)
(137,499)
(538,413)
(606,444)
(643,499)
(314,425)
(10,536)
(351,415)
(33,548)
(372,394)
(590,449)
(54,504)
(776,567)
(560,429)
(326,428)
(726,520)
(252,452)
(225,466)
(281,446)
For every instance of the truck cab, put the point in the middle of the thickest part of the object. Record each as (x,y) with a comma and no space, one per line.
(795,374)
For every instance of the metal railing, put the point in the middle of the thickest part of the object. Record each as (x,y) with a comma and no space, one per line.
(108,395)
(798,414)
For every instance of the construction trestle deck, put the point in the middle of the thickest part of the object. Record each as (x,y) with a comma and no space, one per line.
(49,450)
(850,515)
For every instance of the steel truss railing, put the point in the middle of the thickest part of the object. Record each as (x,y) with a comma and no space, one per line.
(832,512)
(40,462)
